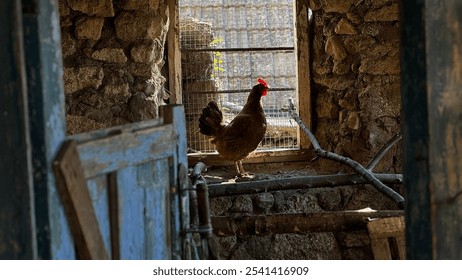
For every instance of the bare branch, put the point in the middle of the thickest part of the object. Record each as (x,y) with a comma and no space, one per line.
(383,151)
(366,174)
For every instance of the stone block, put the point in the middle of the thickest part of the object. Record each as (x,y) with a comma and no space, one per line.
(76,79)
(89,28)
(141,70)
(67,44)
(143,53)
(341,67)
(116,94)
(327,109)
(64,9)
(354,120)
(141,107)
(335,82)
(140,5)
(139,26)
(345,27)
(385,65)
(347,103)
(220,205)
(385,13)
(337,6)
(101,8)
(335,48)
(111,55)
(358,44)
(264,201)
(242,204)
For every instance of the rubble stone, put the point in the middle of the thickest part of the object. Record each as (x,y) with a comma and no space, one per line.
(89,28)
(101,8)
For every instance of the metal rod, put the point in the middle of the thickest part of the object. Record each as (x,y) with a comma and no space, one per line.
(287,49)
(234,91)
(302,182)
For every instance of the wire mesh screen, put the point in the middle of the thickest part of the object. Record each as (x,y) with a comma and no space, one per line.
(226,46)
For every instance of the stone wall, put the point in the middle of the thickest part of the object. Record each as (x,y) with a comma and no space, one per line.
(310,245)
(113,54)
(356,82)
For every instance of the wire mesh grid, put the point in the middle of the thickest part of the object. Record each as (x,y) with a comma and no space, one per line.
(226,46)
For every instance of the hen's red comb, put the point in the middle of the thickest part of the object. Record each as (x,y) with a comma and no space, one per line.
(261,81)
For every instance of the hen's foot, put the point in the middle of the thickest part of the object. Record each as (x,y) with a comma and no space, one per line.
(244,177)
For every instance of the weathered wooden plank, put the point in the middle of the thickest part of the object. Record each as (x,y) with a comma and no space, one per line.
(174,54)
(444,83)
(179,198)
(98,191)
(118,151)
(401,243)
(42,45)
(329,221)
(432,79)
(143,205)
(106,132)
(388,227)
(302,51)
(131,212)
(77,203)
(380,232)
(381,248)
(17,231)
(158,234)
(415,129)
(213,159)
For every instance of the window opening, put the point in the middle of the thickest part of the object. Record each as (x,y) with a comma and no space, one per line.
(226,46)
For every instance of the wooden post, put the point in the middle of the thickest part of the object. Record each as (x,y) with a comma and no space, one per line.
(17,230)
(432,128)
(42,44)
(302,53)
(174,54)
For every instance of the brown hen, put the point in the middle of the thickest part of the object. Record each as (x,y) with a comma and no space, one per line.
(242,135)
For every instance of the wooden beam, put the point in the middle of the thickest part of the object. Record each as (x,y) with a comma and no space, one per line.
(303,66)
(432,129)
(174,54)
(415,130)
(213,159)
(17,230)
(77,203)
(382,232)
(42,44)
(329,221)
(444,103)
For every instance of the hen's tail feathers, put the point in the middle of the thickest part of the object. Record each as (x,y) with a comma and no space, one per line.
(211,119)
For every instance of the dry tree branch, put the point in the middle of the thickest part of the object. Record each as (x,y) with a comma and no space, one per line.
(366,174)
(383,151)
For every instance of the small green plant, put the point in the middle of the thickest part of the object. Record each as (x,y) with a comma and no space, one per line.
(217,61)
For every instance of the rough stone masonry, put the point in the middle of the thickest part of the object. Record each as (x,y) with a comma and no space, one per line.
(113,54)
(355,69)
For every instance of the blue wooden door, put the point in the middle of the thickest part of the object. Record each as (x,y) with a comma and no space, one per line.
(134,180)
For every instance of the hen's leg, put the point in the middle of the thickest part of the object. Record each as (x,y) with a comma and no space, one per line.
(240,169)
